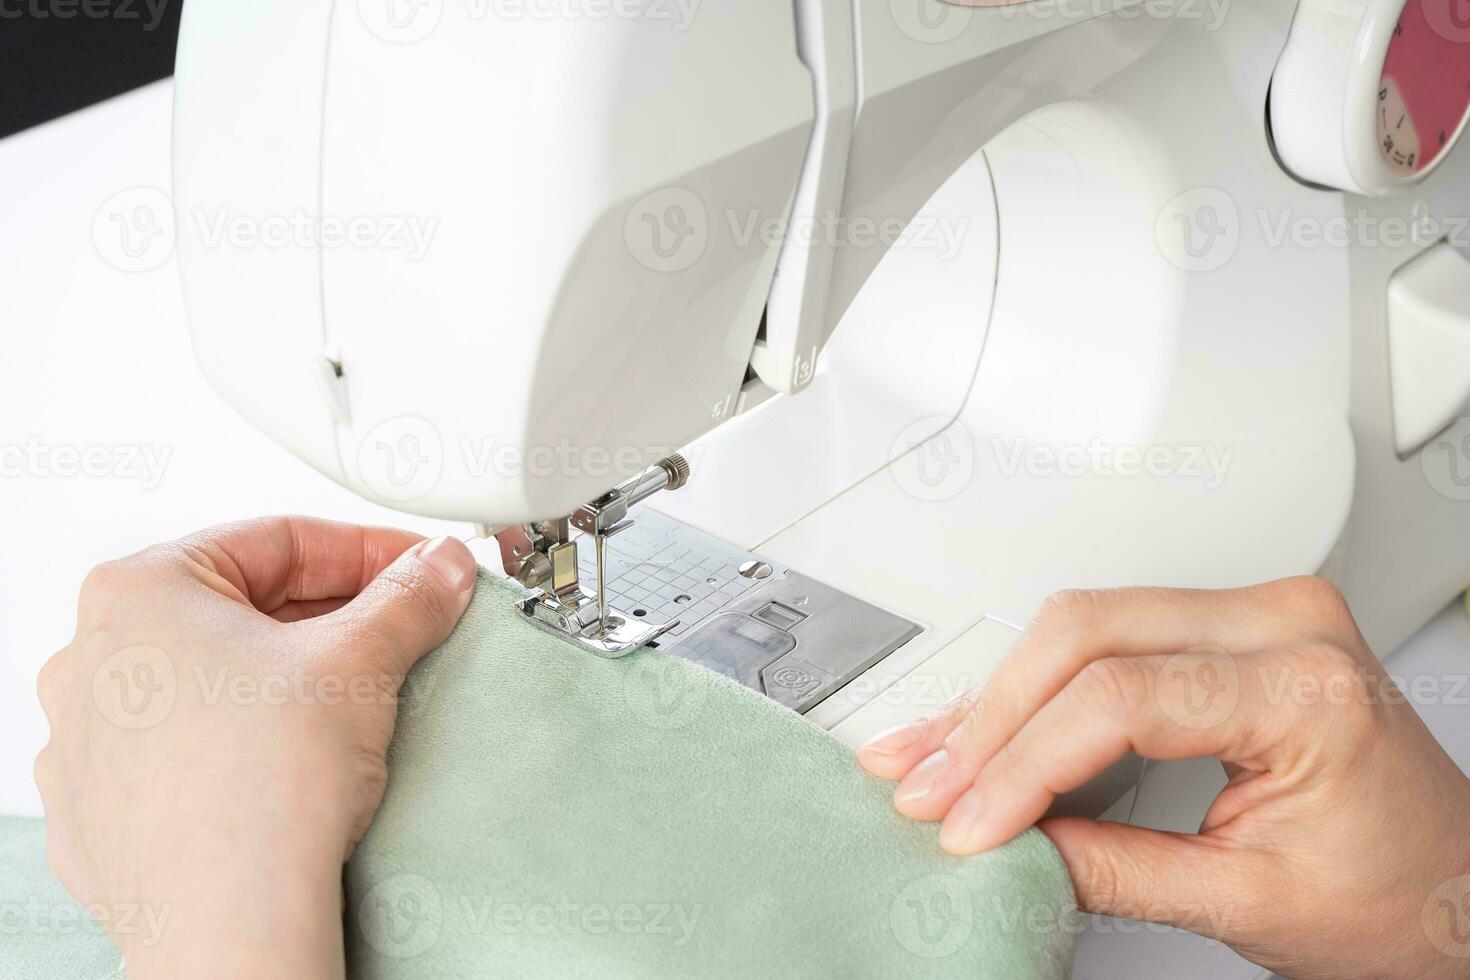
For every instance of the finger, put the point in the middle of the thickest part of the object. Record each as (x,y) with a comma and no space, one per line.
(409,609)
(1181,707)
(1073,630)
(892,753)
(1197,883)
(274,561)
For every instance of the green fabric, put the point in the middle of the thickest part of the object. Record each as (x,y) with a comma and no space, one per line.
(552,814)
(43,933)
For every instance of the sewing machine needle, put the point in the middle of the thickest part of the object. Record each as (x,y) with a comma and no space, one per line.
(601,583)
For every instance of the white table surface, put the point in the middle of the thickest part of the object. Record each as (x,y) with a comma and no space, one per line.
(95,358)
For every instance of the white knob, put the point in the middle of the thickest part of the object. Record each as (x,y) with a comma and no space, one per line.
(1370,95)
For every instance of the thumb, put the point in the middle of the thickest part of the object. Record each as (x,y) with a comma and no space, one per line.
(412,605)
(1201,884)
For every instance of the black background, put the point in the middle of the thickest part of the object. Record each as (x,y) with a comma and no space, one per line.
(57,56)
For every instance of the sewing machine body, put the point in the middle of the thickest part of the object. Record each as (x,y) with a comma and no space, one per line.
(1105,354)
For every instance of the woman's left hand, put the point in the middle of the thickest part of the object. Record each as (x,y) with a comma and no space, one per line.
(219,726)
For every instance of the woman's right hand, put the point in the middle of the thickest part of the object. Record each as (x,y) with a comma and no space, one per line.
(1340,846)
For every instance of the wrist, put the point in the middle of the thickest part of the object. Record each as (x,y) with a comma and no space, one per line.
(259,912)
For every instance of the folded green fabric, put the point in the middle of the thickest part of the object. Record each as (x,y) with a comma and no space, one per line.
(43,933)
(552,814)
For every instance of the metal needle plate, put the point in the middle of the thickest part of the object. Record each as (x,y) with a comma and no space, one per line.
(774,630)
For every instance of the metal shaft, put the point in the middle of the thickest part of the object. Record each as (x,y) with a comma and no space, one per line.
(667,474)
(601,583)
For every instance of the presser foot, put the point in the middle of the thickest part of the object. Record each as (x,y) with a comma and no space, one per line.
(576,618)
(543,554)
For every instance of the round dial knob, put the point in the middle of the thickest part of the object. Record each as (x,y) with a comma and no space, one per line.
(1370,97)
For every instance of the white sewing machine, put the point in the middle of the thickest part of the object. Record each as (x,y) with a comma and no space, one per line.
(1062,293)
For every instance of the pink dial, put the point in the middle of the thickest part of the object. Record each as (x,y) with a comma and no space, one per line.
(1424,91)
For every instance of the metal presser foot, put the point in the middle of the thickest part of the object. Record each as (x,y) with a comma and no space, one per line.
(543,556)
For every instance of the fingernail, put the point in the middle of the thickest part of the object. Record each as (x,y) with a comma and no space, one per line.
(452,560)
(895,740)
(918,784)
(961,828)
